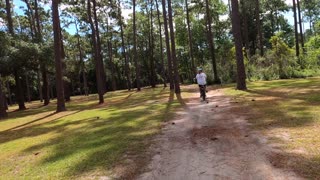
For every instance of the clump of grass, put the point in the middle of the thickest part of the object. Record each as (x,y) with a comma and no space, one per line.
(84,142)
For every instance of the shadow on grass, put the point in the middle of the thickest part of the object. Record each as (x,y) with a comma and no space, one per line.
(287,106)
(96,137)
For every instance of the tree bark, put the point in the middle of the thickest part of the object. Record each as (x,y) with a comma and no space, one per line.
(258,24)
(296,28)
(166,32)
(190,39)
(125,55)
(151,47)
(236,29)
(135,55)
(19,91)
(82,64)
(28,88)
(39,34)
(99,49)
(9,93)
(45,87)
(3,110)
(9,17)
(39,85)
(245,34)
(175,63)
(300,26)
(57,56)
(163,71)
(100,82)
(113,78)
(211,44)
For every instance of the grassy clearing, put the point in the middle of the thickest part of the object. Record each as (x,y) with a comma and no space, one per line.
(84,142)
(288,112)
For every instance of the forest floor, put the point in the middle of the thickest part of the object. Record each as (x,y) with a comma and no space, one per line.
(270,131)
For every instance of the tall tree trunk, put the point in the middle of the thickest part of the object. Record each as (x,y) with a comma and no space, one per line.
(39,34)
(244,18)
(100,82)
(19,91)
(28,88)
(82,64)
(236,29)
(43,67)
(211,44)
(99,49)
(296,28)
(113,78)
(135,55)
(175,64)
(190,39)
(57,56)
(125,55)
(39,85)
(66,88)
(163,71)
(45,87)
(166,32)
(9,93)
(151,47)
(258,24)
(9,17)
(3,109)
(300,26)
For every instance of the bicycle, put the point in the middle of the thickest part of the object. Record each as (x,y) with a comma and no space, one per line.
(203,92)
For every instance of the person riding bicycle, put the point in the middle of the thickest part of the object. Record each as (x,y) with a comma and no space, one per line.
(201,80)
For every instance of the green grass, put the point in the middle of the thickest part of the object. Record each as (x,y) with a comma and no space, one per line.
(85,142)
(288,112)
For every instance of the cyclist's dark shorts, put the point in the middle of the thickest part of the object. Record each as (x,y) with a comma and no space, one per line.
(202,86)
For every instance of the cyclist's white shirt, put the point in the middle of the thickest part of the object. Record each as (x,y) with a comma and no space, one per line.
(201,79)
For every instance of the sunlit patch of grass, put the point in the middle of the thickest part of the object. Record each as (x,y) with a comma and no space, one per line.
(87,140)
(288,112)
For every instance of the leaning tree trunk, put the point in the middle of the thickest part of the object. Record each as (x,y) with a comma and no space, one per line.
(58,56)
(258,24)
(211,44)
(163,72)
(173,52)
(98,64)
(236,29)
(296,27)
(166,32)
(135,55)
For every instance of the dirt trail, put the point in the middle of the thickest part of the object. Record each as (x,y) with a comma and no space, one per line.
(210,142)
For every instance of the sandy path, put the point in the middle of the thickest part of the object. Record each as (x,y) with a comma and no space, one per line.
(209,142)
